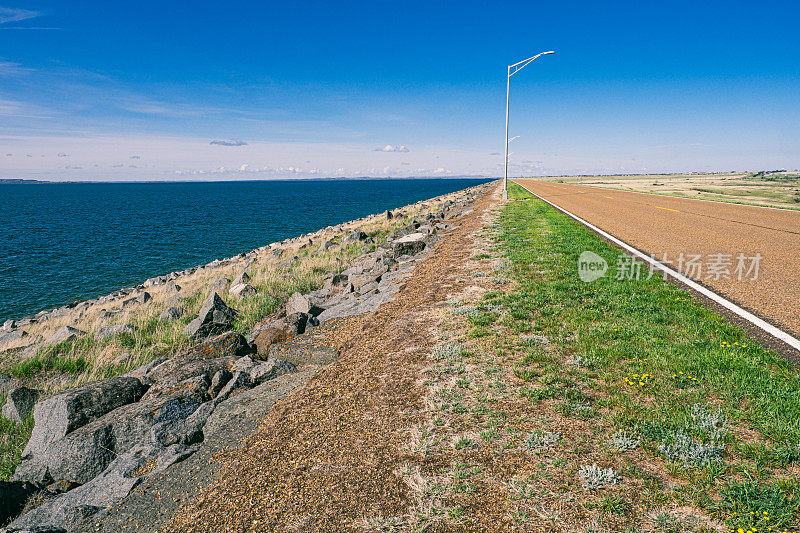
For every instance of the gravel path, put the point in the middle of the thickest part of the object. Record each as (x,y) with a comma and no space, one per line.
(666,225)
(328,455)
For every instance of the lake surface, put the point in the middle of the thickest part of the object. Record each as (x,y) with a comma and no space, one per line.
(73,241)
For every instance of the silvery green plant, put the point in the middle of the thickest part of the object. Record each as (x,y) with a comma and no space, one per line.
(541,439)
(533,339)
(595,477)
(446,351)
(468,310)
(711,423)
(681,448)
(622,441)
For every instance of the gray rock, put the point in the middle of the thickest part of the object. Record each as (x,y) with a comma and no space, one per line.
(410,244)
(277,252)
(218,382)
(12,336)
(73,408)
(111,331)
(171,313)
(240,380)
(9,325)
(66,333)
(204,359)
(218,285)
(270,370)
(85,453)
(242,290)
(13,495)
(31,350)
(295,324)
(356,236)
(142,372)
(172,287)
(177,300)
(6,383)
(19,404)
(336,282)
(214,318)
(389,215)
(243,364)
(69,510)
(143,298)
(244,277)
(297,303)
(326,245)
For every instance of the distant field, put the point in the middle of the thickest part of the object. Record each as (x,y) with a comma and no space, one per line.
(774,189)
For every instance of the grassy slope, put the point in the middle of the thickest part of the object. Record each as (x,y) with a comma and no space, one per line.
(695,426)
(622,329)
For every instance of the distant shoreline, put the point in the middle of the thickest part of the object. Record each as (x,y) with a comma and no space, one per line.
(14,181)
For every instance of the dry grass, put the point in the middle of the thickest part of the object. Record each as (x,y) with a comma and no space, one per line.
(777,189)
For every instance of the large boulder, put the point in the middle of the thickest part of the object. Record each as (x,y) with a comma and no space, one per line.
(267,337)
(299,303)
(214,318)
(161,421)
(65,334)
(270,370)
(68,511)
(9,325)
(74,408)
(19,404)
(203,360)
(410,244)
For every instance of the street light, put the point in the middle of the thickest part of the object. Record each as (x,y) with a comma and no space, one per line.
(517,67)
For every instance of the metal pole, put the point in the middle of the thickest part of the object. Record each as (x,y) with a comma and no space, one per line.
(508,94)
(517,67)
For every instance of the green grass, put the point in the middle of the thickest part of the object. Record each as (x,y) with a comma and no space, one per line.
(13,438)
(631,327)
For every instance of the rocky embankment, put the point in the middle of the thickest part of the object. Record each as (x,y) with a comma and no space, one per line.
(93,444)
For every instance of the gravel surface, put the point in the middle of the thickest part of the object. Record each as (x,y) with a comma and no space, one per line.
(328,456)
(662,224)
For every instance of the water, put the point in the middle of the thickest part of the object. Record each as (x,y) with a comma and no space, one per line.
(65,242)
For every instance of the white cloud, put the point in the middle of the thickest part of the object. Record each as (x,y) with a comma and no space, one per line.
(10,14)
(62,154)
(390,148)
(228,142)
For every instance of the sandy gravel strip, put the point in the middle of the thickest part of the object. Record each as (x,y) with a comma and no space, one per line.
(328,455)
(679,228)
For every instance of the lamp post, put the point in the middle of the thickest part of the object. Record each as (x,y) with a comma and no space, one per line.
(517,67)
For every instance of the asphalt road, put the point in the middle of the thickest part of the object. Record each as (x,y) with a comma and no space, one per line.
(727,237)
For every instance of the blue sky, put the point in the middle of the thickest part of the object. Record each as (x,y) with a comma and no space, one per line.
(109,90)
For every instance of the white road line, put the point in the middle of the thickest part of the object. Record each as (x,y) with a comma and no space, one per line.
(727,304)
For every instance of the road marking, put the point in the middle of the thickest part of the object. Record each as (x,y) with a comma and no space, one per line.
(666,209)
(609,197)
(747,315)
